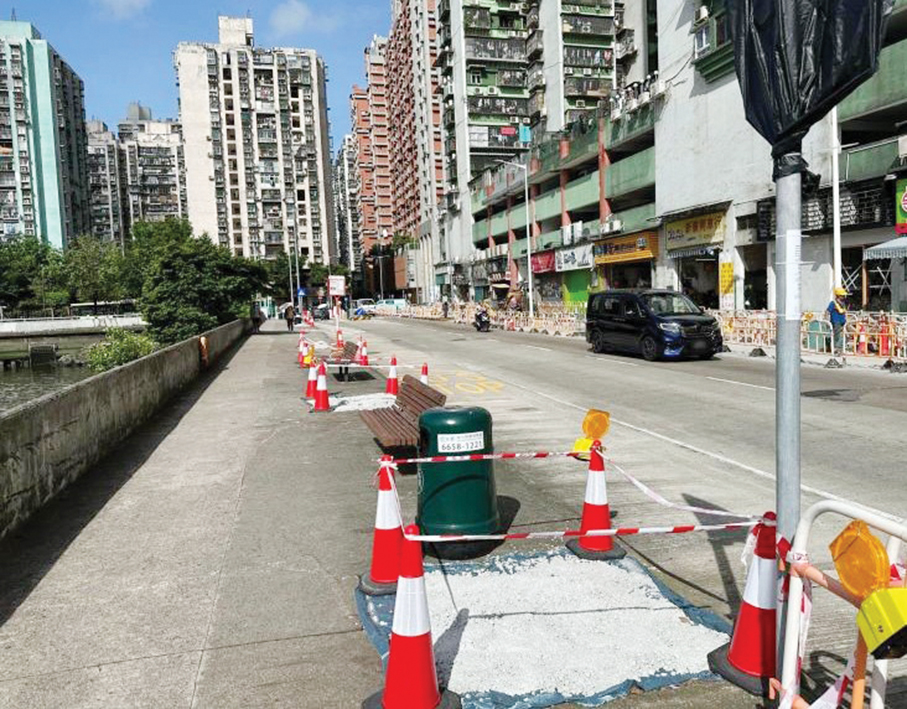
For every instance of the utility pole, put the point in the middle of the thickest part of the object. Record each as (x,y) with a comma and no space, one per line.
(298,298)
(836,196)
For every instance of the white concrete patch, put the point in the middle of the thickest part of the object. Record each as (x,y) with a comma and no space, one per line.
(559,624)
(365,402)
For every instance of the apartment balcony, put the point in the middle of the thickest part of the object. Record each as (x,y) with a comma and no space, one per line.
(492,49)
(498,106)
(534,44)
(476,20)
(625,46)
(865,162)
(587,25)
(885,91)
(591,87)
(632,174)
(635,126)
(595,59)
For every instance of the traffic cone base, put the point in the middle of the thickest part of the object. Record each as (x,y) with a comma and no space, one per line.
(615,553)
(448,700)
(720,665)
(373,588)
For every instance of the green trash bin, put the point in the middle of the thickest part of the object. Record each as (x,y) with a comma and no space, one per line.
(457,498)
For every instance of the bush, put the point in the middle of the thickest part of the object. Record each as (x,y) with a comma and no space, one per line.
(118,347)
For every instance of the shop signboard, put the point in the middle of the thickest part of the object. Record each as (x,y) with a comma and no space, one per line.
(901,221)
(543,262)
(704,230)
(726,282)
(633,247)
(336,285)
(575,259)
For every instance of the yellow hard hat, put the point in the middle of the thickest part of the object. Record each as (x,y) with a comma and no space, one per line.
(841,291)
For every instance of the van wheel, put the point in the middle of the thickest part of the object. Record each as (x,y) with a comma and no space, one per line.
(598,342)
(650,349)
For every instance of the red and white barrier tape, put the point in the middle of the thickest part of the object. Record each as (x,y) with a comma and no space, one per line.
(571,533)
(487,456)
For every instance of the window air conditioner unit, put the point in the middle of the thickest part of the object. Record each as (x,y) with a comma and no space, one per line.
(604,228)
(587,71)
(527,121)
(580,103)
(567,234)
(577,231)
(514,119)
(616,225)
(568,70)
(493,90)
(702,14)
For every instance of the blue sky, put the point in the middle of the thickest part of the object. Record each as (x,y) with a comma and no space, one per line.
(122,48)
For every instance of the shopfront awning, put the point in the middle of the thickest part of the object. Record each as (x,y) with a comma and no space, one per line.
(896,248)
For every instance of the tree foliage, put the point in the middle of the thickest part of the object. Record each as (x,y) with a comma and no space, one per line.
(94,269)
(31,274)
(119,346)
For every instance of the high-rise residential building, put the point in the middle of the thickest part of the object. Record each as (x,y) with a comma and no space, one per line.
(416,151)
(257,145)
(377,77)
(107,183)
(346,191)
(44,188)
(154,165)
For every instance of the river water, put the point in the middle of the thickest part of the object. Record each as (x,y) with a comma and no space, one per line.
(17,387)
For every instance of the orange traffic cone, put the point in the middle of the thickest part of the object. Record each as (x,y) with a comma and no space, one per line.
(311,387)
(411,681)
(382,576)
(860,340)
(339,343)
(596,514)
(748,661)
(392,386)
(424,376)
(322,403)
(363,357)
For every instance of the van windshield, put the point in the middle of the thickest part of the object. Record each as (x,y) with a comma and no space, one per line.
(670,304)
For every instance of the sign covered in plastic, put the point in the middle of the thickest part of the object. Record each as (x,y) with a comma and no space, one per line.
(796,59)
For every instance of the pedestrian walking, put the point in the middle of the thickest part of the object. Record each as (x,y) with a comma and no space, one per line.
(257,317)
(290,315)
(837,314)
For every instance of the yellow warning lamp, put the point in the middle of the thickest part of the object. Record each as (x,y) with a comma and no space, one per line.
(595,427)
(863,568)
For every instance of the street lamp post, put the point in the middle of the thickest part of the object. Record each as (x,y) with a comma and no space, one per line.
(525,170)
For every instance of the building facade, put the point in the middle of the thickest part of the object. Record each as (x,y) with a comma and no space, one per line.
(346,197)
(154,165)
(44,184)
(257,145)
(107,183)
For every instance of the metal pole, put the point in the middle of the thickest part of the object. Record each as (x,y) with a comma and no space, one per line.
(528,238)
(381,273)
(787,367)
(298,281)
(290,275)
(836,195)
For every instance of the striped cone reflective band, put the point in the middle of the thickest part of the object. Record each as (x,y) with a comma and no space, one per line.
(311,386)
(339,337)
(424,376)
(596,511)
(357,358)
(411,681)
(321,392)
(363,358)
(388,530)
(392,386)
(752,649)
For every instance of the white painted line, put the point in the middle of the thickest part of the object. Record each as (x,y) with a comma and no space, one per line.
(612,361)
(714,456)
(536,347)
(743,384)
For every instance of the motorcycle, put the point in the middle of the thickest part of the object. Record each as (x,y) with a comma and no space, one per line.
(482,322)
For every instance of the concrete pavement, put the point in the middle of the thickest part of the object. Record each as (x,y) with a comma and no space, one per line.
(211,560)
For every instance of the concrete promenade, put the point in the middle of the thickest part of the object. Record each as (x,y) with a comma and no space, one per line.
(209,561)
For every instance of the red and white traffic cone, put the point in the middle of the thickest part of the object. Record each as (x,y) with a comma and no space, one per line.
(392,386)
(339,342)
(424,376)
(363,357)
(311,387)
(596,514)
(748,661)
(303,347)
(382,576)
(322,402)
(411,681)
(357,358)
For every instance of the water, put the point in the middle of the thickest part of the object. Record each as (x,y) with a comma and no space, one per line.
(22,385)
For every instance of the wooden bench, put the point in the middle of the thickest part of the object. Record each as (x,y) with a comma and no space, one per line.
(398,426)
(344,355)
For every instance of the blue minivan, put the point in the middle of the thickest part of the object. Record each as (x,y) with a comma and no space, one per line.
(653,323)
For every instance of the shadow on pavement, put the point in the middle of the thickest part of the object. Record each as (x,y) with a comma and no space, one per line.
(508,508)
(31,551)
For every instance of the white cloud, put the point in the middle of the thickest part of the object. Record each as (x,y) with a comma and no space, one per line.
(122,9)
(295,17)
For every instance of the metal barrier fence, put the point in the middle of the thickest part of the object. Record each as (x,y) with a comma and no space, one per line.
(871,334)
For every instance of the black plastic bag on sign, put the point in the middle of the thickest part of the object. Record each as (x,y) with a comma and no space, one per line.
(797,59)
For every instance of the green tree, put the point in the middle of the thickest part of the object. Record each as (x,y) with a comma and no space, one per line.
(94,269)
(119,346)
(193,285)
(21,261)
(149,240)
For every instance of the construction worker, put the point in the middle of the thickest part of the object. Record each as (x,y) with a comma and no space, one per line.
(837,314)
